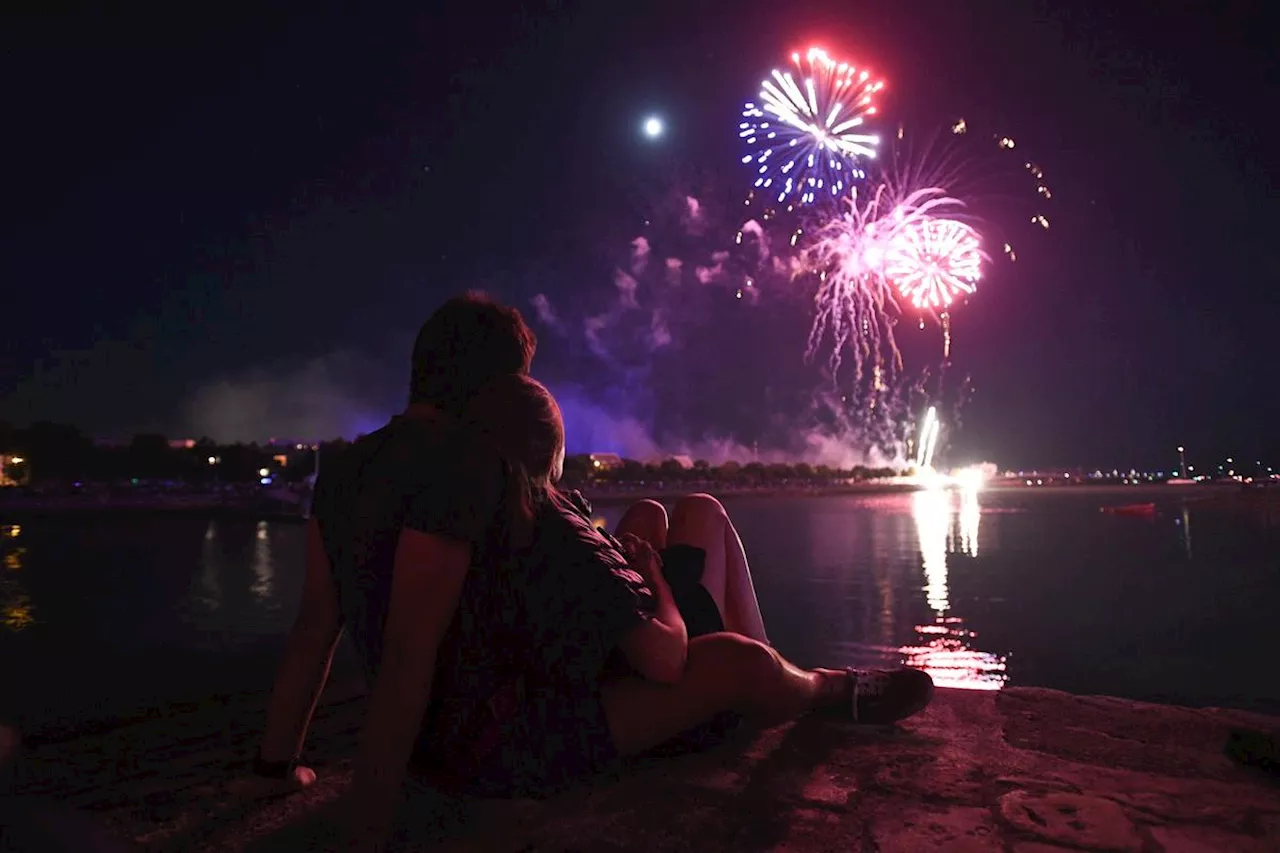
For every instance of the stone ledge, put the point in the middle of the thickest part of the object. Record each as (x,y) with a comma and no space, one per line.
(1023,770)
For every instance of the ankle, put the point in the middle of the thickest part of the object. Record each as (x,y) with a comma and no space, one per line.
(837,687)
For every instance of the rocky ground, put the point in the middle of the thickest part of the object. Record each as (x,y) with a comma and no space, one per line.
(1023,770)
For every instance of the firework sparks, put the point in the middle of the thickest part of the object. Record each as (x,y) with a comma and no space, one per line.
(934,261)
(806,134)
(860,257)
(852,296)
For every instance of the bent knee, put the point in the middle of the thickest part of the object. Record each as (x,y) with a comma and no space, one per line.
(646,519)
(700,506)
(647,510)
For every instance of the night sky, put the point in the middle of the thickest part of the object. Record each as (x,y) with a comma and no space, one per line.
(233,224)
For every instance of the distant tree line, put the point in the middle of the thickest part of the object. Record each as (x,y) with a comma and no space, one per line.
(60,454)
(56,454)
(580,470)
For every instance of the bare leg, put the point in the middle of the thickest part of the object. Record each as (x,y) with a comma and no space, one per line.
(700,520)
(647,520)
(725,672)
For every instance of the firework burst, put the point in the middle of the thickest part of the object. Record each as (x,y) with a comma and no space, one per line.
(932,262)
(853,256)
(806,135)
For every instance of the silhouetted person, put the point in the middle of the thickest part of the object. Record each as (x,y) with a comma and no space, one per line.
(398,519)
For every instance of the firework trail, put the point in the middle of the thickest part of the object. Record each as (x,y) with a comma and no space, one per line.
(928,440)
(806,137)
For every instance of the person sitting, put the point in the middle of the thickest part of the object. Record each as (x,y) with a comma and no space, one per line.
(569,599)
(399,518)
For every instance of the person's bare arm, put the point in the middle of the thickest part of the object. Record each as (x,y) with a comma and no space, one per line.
(658,647)
(304,668)
(426,583)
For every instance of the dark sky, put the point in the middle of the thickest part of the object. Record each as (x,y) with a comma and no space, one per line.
(200,204)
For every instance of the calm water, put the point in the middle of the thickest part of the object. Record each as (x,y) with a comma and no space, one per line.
(1031,587)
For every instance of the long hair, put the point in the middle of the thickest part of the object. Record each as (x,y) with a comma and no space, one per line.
(518,417)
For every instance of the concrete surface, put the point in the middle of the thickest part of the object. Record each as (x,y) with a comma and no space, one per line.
(1021,771)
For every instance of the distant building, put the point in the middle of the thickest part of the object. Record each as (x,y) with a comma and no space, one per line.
(291,444)
(604,461)
(182,443)
(13,470)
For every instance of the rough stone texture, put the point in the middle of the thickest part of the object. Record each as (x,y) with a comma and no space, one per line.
(1025,771)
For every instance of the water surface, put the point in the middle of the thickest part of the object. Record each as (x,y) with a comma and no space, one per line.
(1025,586)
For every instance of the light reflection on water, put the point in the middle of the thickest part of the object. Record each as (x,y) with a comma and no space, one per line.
(950,581)
(16,611)
(947,522)
(263,570)
(236,587)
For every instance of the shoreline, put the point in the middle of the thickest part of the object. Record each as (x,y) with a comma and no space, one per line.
(1208,495)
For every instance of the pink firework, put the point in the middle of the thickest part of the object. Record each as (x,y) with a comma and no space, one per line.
(932,262)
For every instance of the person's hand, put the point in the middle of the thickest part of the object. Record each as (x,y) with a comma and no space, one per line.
(641,556)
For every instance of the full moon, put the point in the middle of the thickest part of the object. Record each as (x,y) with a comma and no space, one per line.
(653,127)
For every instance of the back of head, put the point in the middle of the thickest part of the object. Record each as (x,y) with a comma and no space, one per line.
(519,418)
(467,342)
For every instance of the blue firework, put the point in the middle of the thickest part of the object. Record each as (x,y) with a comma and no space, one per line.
(806,132)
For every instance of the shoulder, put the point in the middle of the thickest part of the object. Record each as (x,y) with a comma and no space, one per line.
(561,524)
(447,444)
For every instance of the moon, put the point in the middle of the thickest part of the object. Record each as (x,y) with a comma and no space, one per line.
(653,127)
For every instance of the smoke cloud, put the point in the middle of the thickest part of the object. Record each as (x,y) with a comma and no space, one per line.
(697,349)
(702,355)
(340,394)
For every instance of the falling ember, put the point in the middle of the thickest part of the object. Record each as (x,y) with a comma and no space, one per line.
(959,127)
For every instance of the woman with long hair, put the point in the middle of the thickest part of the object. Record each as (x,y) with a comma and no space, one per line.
(571,652)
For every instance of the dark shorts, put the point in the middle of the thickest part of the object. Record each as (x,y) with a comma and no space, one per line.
(682,565)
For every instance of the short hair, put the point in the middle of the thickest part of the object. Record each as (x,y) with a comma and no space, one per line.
(519,418)
(468,341)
